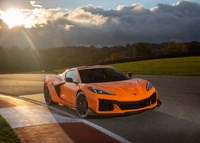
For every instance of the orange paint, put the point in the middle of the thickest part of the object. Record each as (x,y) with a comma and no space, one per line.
(132,91)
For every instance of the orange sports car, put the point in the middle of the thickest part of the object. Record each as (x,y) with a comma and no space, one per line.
(100,90)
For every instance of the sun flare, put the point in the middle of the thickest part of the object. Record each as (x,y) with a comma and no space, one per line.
(14,17)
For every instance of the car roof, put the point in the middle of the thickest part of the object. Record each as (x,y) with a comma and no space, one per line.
(91,67)
(87,67)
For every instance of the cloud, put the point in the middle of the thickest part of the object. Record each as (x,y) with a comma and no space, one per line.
(81,16)
(68,27)
(33,4)
(89,25)
(135,24)
(6,4)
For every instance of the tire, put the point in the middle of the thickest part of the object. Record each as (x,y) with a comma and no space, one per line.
(47,95)
(82,105)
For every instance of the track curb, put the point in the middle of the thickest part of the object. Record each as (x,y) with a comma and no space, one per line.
(100,134)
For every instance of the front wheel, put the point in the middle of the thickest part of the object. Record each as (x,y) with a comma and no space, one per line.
(82,105)
(47,95)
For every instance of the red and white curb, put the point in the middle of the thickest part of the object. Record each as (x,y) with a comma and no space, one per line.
(36,123)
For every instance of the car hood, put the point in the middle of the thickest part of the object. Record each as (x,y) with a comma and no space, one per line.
(123,88)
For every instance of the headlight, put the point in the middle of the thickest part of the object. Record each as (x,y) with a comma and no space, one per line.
(100,91)
(149,85)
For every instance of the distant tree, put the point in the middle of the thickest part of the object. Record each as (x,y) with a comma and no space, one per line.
(128,45)
(193,47)
(128,50)
(183,48)
(3,60)
(91,46)
(115,57)
(175,48)
(141,50)
(16,59)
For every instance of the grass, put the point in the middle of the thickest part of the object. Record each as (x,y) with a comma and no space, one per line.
(189,66)
(7,135)
(170,66)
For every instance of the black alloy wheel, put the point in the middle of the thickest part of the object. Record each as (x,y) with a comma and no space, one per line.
(47,95)
(82,105)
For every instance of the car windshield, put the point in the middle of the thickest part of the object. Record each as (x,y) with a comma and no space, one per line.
(101,75)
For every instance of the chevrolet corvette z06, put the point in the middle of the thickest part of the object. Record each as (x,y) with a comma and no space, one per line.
(100,90)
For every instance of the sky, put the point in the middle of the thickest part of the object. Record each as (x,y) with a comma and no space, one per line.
(58,23)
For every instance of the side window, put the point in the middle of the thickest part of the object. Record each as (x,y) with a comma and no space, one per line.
(73,75)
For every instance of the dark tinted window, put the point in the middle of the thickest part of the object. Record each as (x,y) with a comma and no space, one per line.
(101,75)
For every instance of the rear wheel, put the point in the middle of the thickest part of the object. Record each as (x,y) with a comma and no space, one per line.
(82,105)
(47,95)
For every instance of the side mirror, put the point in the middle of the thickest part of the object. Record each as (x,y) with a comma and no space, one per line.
(129,74)
(68,79)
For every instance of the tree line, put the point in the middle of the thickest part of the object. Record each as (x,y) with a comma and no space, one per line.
(14,59)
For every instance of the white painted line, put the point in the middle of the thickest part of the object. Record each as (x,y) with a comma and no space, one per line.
(22,116)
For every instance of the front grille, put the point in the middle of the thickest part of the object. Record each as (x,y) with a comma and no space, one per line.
(105,105)
(128,106)
(138,104)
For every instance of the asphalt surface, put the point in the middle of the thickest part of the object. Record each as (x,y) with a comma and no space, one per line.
(21,84)
(176,120)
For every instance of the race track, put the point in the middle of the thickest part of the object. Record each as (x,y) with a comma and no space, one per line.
(176,120)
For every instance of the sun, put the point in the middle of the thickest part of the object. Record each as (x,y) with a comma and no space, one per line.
(13,17)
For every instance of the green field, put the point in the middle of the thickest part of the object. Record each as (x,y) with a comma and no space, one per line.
(169,66)
(7,135)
